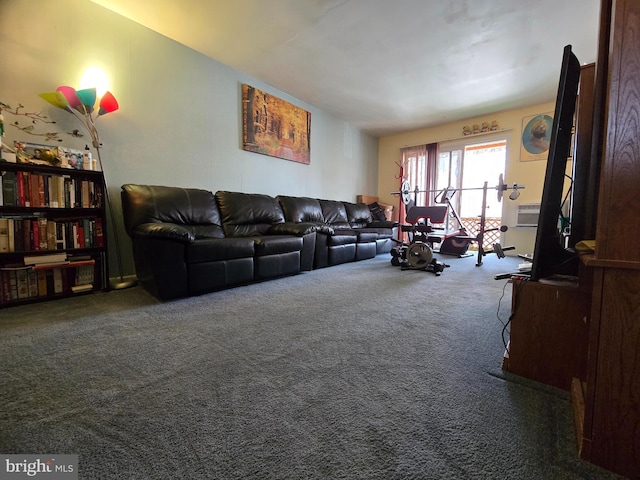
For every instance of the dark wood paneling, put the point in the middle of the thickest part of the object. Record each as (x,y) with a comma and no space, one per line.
(618,225)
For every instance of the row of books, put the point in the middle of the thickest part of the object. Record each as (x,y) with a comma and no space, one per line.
(39,233)
(22,283)
(30,189)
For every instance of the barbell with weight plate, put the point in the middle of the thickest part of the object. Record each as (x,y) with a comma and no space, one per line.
(406,190)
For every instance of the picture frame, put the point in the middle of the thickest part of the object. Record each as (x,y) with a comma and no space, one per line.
(274,127)
(535,138)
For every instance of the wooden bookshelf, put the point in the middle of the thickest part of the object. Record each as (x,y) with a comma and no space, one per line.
(46,210)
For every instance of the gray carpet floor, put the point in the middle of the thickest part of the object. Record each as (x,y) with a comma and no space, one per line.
(359,371)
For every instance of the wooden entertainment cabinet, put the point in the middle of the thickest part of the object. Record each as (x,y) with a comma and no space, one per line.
(586,337)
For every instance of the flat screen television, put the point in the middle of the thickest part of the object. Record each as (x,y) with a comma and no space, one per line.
(551,255)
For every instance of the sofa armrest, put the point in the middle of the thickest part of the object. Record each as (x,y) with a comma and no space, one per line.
(383,224)
(167,231)
(291,228)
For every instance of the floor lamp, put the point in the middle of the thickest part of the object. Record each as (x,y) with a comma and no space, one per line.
(80,103)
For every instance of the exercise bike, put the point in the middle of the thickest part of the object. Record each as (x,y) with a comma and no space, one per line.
(458,243)
(418,253)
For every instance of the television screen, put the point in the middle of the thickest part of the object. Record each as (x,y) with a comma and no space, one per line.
(550,255)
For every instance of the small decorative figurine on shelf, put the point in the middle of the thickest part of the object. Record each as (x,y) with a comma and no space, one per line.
(483,127)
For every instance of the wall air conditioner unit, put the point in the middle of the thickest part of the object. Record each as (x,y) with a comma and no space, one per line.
(528,214)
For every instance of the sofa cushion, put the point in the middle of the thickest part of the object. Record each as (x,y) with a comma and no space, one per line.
(383,232)
(365,236)
(341,238)
(276,244)
(248,214)
(214,249)
(301,209)
(335,213)
(193,208)
(358,214)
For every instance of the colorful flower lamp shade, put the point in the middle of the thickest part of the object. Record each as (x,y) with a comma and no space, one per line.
(69,94)
(81,104)
(87,99)
(108,104)
(57,99)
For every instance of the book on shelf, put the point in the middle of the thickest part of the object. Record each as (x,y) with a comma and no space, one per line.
(12,235)
(33,283)
(5,290)
(47,258)
(9,279)
(51,229)
(4,235)
(20,189)
(84,274)
(9,188)
(22,278)
(41,276)
(35,232)
(42,234)
(98,232)
(76,258)
(15,283)
(32,186)
(58,285)
(19,282)
(34,189)
(82,288)
(67,264)
(35,235)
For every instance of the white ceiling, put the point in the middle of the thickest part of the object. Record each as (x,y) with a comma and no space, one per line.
(386,65)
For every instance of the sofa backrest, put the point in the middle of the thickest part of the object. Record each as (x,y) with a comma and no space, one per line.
(248,214)
(301,209)
(192,208)
(335,214)
(358,214)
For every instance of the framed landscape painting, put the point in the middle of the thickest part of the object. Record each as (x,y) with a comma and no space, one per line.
(274,127)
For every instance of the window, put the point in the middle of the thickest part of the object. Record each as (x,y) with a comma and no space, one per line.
(449,174)
(466,166)
(416,173)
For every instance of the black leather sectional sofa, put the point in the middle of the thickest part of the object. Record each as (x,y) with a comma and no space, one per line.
(189,241)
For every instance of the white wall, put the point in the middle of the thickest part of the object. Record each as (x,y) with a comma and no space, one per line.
(179,121)
(530,174)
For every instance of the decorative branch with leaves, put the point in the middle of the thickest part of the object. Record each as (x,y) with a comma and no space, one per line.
(35,118)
